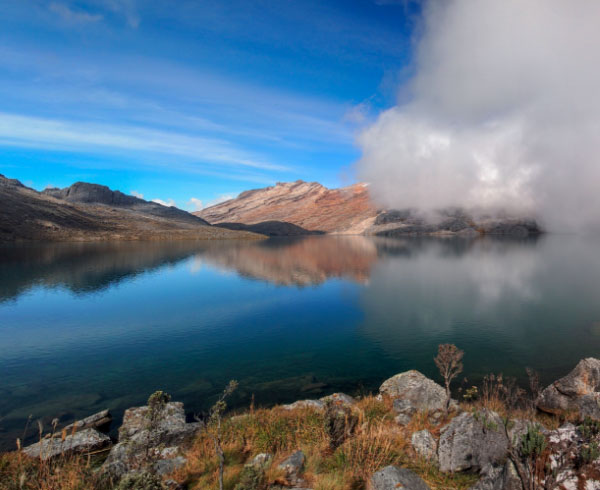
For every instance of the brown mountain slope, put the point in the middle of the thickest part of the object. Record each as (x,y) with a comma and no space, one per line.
(349,210)
(306,204)
(26,214)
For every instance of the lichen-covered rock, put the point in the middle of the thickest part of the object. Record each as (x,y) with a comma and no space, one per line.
(314,404)
(500,478)
(339,399)
(424,444)
(415,392)
(83,442)
(393,478)
(578,391)
(100,421)
(473,441)
(151,439)
(293,466)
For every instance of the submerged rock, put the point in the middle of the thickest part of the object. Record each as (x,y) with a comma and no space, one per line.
(394,477)
(578,391)
(83,442)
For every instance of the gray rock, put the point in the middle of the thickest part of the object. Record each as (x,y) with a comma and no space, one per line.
(314,404)
(578,391)
(83,442)
(402,419)
(293,466)
(339,399)
(261,461)
(416,392)
(424,444)
(473,442)
(393,478)
(500,478)
(145,441)
(166,466)
(100,421)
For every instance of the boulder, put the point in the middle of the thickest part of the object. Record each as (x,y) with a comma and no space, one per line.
(339,399)
(473,441)
(252,476)
(82,442)
(393,478)
(100,421)
(500,478)
(314,404)
(149,439)
(578,391)
(293,466)
(413,392)
(424,444)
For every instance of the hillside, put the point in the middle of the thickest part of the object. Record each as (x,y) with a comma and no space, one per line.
(27,214)
(308,205)
(349,210)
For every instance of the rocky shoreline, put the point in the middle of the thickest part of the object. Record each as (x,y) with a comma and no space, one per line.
(504,452)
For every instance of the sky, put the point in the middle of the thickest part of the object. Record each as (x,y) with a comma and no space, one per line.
(192,102)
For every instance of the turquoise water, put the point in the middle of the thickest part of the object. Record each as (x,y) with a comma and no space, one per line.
(90,326)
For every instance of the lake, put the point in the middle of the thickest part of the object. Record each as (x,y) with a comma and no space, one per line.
(90,326)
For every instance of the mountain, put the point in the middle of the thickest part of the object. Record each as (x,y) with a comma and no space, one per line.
(86,212)
(349,210)
(86,193)
(309,205)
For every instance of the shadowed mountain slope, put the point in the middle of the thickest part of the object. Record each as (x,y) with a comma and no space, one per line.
(26,214)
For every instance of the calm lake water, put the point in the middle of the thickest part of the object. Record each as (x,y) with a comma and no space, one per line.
(90,326)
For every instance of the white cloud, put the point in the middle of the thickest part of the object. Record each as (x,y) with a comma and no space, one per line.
(17,130)
(503,112)
(137,194)
(169,202)
(73,16)
(195,204)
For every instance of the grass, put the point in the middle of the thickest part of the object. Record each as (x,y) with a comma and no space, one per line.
(375,442)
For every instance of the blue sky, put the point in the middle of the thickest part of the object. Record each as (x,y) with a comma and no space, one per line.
(191,101)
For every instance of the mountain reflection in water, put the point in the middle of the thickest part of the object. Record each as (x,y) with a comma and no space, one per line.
(91,326)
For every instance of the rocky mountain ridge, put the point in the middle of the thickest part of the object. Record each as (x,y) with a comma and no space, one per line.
(89,212)
(350,210)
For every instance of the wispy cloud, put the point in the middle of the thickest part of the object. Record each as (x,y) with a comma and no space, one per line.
(126,8)
(169,202)
(195,204)
(70,15)
(137,194)
(17,130)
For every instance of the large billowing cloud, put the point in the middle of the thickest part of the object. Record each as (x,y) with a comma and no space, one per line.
(503,111)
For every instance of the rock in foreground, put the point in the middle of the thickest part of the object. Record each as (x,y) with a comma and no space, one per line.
(414,392)
(151,439)
(393,478)
(578,391)
(83,442)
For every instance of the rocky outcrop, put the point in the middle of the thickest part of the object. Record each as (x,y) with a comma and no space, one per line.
(308,205)
(83,442)
(394,477)
(424,444)
(100,421)
(473,441)
(87,193)
(578,391)
(151,439)
(350,210)
(293,466)
(413,392)
(27,214)
(336,399)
